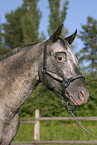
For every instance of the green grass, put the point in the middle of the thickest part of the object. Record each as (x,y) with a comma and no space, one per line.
(25,133)
(57,130)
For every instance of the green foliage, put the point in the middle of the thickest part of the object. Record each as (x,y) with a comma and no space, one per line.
(13,34)
(30,21)
(89,109)
(57,15)
(89,36)
(45,101)
(92,86)
(0,36)
(22,25)
(89,54)
(3,50)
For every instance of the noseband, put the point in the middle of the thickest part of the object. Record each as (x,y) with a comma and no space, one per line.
(64,81)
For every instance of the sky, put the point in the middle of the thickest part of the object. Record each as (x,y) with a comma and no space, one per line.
(77,14)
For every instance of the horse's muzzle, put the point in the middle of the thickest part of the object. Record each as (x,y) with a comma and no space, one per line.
(77,92)
(81,99)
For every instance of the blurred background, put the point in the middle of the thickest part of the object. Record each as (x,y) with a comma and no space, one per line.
(30,21)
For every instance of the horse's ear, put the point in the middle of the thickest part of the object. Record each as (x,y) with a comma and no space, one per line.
(56,34)
(71,38)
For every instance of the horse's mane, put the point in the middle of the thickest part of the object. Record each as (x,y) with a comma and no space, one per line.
(17,50)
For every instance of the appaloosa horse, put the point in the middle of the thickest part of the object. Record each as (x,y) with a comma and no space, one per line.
(51,62)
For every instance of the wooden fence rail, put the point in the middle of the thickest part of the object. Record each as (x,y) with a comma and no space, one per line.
(36,122)
(33,120)
(55,142)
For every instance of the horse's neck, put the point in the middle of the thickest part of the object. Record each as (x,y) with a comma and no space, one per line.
(21,77)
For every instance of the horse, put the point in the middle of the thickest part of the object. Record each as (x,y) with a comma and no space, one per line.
(51,62)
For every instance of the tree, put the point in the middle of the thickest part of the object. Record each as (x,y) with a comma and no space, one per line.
(2,49)
(89,37)
(57,15)
(22,25)
(13,35)
(0,36)
(30,21)
(89,54)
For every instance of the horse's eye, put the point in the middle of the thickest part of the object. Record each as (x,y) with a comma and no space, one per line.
(59,58)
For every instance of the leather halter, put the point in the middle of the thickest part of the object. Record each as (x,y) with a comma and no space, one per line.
(66,81)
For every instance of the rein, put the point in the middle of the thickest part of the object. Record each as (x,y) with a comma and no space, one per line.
(65,83)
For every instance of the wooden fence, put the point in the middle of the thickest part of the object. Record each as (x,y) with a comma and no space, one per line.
(36,122)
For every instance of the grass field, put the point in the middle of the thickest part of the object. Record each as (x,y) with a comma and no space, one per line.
(58,130)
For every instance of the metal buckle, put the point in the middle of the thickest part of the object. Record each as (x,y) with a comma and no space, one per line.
(69,110)
(44,70)
(66,83)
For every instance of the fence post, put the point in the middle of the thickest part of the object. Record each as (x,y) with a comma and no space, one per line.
(37,126)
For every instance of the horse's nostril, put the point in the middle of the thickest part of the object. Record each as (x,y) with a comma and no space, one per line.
(81,94)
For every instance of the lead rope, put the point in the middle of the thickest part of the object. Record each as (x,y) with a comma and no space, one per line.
(70,111)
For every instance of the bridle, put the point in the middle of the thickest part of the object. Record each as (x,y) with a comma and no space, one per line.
(65,83)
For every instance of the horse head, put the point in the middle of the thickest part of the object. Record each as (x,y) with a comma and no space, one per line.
(59,71)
